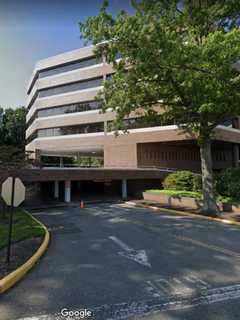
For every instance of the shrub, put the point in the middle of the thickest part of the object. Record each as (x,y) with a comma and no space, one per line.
(183,180)
(197,183)
(228,183)
(177,193)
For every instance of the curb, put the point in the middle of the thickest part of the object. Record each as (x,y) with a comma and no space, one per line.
(12,278)
(185,213)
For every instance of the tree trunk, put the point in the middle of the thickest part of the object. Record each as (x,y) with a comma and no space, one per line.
(209,202)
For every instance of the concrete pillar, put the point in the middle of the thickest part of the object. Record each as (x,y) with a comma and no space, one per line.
(38,155)
(56,189)
(105,128)
(61,162)
(124,189)
(67,191)
(236,155)
(79,185)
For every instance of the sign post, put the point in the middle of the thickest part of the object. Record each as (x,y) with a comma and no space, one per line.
(13,193)
(10,222)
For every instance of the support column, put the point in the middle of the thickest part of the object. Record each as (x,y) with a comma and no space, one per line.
(236,155)
(124,189)
(67,191)
(79,185)
(56,189)
(61,162)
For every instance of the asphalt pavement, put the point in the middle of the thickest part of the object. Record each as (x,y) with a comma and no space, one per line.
(119,262)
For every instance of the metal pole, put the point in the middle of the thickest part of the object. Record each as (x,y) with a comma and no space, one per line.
(10,222)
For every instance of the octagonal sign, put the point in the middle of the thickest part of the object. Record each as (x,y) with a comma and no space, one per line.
(19,191)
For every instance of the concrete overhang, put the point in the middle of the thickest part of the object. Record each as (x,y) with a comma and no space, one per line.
(78,174)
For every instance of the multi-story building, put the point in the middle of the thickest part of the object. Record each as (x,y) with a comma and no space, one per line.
(65,120)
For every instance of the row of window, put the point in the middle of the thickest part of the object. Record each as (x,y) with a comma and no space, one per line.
(137,123)
(74,65)
(68,130)
(70,67)
(71,87)
(72,108)
(81,85)
(89,128)
(65,109)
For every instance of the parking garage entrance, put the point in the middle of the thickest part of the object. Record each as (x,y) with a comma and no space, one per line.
(81,190)
(95,189)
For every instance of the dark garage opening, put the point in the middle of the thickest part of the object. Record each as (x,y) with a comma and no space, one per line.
(95,190)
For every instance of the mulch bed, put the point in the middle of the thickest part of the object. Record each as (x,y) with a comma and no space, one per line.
(20,253)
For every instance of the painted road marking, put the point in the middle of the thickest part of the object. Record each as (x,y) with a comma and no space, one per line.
(138,256)
(156,228)
(199,283)
(146,307)
(184,286)
(125,311)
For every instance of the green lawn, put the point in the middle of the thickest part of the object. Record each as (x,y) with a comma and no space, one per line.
(24,227)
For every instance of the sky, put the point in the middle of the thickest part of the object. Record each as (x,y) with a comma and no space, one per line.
(31,30)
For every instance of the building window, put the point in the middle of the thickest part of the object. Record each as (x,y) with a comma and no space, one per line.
(70,67)
(81,85)
(66,109)
(87,62)
(136,123)
(109,76)
(69,130)
(72,108)
(31,137)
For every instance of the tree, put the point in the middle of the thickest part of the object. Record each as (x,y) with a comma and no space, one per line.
(13,127)
(12,158)
(179,54)
(12,139)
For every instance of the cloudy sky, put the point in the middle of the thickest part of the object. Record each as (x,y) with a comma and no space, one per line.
(32,30)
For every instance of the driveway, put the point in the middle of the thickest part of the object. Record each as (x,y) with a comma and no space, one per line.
(127,263)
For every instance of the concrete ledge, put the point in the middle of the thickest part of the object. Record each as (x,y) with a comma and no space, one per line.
(186,202)
(182,213)
(176,202)
(12,278)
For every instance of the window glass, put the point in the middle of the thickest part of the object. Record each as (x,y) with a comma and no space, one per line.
(77,107)
(109,76)
(136,123)
(68,130)
(71,87)
(70,67)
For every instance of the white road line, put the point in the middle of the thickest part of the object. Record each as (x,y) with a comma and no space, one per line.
(139,308)
(138,256)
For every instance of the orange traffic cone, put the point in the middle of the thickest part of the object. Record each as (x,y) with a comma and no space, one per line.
(81,204)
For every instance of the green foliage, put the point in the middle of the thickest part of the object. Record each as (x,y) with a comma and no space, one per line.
(197,183)
(12,157)
(24,227)
(13,127)
(181,57)
(55,161)
(228,183)
(89,162)
(182,180)
(177,193)
(191,194)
